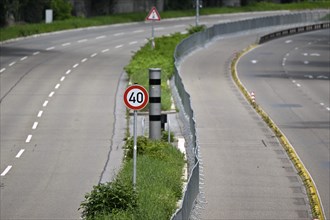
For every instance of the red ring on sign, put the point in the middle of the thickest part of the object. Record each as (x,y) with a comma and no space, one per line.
(143,104)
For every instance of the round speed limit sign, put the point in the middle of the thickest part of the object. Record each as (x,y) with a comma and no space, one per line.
(136,97)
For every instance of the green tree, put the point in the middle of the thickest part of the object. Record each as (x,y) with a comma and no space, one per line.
(62,9)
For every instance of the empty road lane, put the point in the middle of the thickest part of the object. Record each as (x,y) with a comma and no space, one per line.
(290,78)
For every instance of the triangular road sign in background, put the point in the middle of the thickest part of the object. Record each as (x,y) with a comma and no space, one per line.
(153,15)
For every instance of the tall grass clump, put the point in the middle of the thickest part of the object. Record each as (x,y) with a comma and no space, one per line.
(158,185)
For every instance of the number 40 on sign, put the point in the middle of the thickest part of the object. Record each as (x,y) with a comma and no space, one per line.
(136,97)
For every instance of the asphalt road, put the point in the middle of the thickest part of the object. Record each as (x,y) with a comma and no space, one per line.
(246,173)
(58,94)
(290,77)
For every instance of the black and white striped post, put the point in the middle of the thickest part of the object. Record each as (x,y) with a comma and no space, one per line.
(155,103)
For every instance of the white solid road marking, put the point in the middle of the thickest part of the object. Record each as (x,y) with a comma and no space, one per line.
(94,54)
(66,44)
(36,53)
(6,170)
(57,86)
(35,125)
(28,139)
(39,114)
(62,78)
(84,60)
(100,37)
(2,70)
(105,50)
(50,48)
(24,58)
(19,154)
(45,103)
(51,94)
(13,63)
(119,46)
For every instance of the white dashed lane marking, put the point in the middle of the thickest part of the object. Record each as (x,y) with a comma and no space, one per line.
(35,125)
(45,103)
(24,58)
(28,139)
(6,170)
(82,41)
(118,34)
(51,94)
(50,48)
(2,70)
(40,114)
(19,154)
(100,37)
(12,63)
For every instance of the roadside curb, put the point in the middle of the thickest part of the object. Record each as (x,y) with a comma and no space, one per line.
(313,195)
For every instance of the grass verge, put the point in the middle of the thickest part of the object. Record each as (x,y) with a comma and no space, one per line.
(158,185)
(159,57)
(301,169)
(23,30)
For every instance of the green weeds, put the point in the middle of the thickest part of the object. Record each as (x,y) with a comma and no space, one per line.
(158,185)
(159,57)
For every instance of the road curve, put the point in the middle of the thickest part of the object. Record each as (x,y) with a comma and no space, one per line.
(290,78)
(245,171)
(58,95)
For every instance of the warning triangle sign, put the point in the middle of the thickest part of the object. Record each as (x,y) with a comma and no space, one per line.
(153,15)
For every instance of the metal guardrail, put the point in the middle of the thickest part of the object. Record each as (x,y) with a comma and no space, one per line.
(182,97)
(292,31)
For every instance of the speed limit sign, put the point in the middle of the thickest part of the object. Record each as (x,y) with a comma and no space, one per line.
(136,97)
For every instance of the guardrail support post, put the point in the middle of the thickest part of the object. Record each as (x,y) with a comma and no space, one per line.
(155,103)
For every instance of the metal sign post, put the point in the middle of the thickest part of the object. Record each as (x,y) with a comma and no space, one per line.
(136,97)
